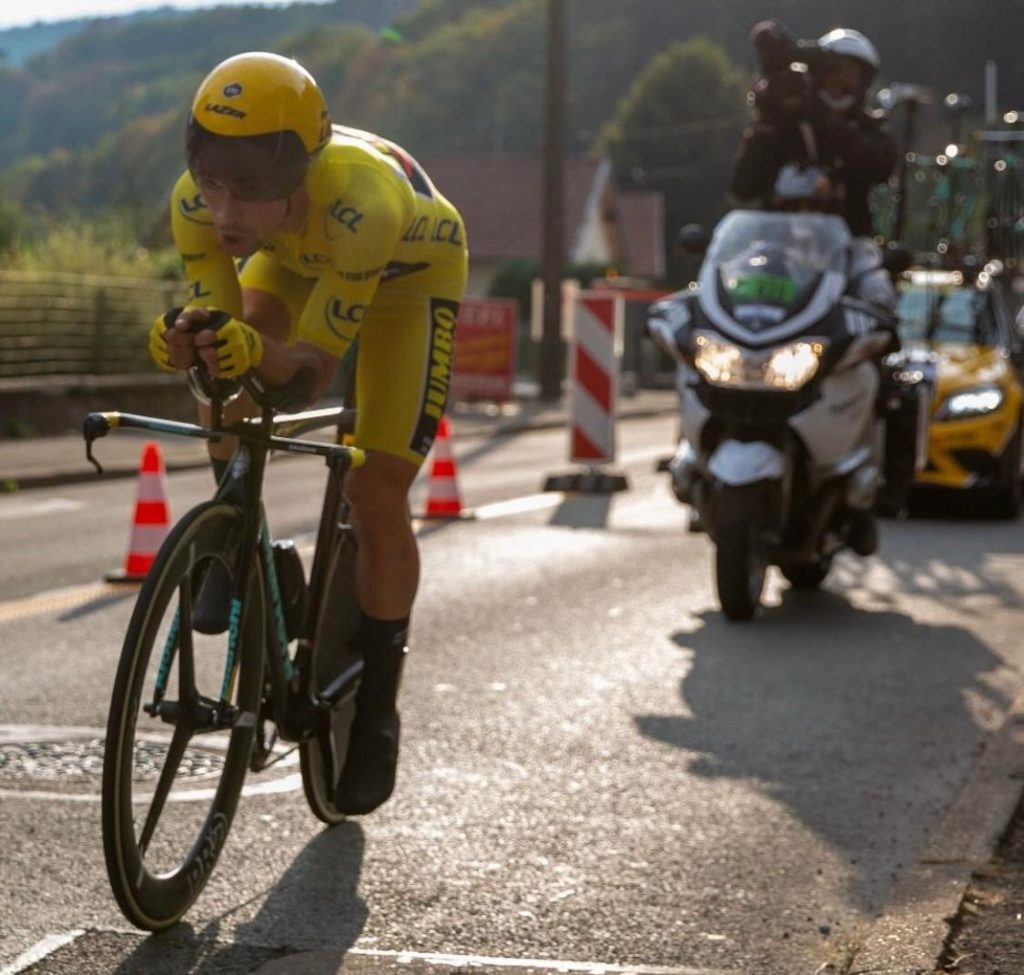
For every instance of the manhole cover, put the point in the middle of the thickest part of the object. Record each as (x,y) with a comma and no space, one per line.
(45,761)
(82,758)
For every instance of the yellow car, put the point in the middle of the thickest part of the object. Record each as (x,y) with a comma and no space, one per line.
(960,333)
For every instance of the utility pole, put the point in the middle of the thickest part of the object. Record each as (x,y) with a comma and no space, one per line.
(550,364)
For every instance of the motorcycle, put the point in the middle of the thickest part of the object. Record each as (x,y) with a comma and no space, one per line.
(784,400)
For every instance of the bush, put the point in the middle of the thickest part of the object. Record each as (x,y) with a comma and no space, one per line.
(108,245)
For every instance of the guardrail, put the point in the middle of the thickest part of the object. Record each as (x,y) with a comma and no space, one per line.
(61,324)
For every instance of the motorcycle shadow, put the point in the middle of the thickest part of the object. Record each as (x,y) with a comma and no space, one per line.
(862,723)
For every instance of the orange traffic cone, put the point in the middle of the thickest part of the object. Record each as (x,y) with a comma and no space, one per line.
(443,487)
(151,521)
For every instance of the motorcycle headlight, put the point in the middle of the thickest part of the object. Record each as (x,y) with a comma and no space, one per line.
(718,361)
(787,367)
(793,365)
(976,401)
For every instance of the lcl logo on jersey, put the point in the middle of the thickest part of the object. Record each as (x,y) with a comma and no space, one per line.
(435,392)
(233,90)
(194,210)
(341,215)
(343,319)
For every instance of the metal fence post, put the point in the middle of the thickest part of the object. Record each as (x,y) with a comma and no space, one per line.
(100,311)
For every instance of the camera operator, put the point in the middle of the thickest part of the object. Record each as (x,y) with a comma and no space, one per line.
(811,121)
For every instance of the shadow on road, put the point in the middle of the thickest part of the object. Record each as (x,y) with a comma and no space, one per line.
(315,905)
(864,724)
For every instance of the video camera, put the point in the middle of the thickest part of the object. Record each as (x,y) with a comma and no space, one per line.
(777,48)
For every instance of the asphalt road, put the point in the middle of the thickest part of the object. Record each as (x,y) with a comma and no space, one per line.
(598,770)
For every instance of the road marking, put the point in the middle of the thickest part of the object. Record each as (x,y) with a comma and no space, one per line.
(290,783)
(546,964)
(516,506)
(29,509)
(59,599)
(47,946)
(400,959)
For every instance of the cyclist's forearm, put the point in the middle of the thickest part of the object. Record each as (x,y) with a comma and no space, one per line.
(281,362)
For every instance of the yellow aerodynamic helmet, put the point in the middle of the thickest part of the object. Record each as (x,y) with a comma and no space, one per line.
(256,122)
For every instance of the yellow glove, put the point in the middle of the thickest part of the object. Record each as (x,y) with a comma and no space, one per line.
(239,348)
(158,350)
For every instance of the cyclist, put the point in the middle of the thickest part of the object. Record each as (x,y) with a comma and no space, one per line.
(306,234)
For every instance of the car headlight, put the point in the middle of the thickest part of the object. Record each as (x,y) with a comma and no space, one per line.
(976,401)
(787,367)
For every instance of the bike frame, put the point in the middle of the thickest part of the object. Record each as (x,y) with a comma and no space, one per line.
(295,714)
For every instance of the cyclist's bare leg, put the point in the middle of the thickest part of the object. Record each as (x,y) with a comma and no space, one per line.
(388,562)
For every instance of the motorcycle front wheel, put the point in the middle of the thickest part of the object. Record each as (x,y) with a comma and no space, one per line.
(741,562)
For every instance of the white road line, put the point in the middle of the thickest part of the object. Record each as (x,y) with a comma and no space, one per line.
(545,964)
(289,783)
(40,950)
(29,509)
(51,943)
(516,506)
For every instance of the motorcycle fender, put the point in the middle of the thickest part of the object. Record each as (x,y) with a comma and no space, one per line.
(736,463)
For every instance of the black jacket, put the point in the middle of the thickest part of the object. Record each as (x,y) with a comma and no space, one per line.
(856,149)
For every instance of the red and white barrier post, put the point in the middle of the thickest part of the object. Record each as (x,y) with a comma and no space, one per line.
(595,352)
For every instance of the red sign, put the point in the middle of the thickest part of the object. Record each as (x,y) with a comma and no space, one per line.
(485,349)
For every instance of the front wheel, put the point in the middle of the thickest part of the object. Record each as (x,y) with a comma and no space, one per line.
(741,562)
(322,756)
(180,730)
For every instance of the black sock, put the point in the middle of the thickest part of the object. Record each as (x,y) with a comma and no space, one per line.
(381,636)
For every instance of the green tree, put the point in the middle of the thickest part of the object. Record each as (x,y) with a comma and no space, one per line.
(475,84)
(677,129)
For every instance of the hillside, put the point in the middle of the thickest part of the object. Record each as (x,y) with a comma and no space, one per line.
(94,120)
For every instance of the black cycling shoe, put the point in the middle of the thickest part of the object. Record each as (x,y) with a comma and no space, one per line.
(212,611)
(368,775)
(368,778)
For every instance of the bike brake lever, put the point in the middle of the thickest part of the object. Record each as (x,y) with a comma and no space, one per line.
(96,425)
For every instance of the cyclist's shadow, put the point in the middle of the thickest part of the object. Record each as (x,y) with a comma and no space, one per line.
(315,905)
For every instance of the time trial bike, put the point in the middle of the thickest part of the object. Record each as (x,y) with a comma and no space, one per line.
(195,707)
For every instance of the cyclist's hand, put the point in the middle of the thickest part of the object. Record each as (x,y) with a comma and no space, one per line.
(159,351)
(172,343)
(232,350)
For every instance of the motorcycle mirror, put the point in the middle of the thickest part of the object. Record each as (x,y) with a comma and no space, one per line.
(693,238)
(897,258)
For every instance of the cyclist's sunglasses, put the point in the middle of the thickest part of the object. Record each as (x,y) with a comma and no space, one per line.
(247,174)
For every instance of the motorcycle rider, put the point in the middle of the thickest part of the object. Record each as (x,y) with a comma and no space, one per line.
(813,127)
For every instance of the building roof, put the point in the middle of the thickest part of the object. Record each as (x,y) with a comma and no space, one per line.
(500,197)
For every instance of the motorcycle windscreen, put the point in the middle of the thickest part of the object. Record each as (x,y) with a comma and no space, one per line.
(767,266)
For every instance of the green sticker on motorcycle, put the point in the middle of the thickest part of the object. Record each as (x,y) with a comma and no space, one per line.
(773,288)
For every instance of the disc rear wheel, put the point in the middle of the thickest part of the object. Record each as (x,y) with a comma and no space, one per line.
(322,757)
